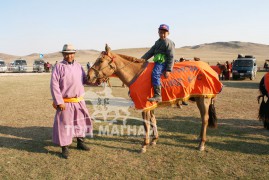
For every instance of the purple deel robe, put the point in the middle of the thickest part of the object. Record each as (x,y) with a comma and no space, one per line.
(67,82)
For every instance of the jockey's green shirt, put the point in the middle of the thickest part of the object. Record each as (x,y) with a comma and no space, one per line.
(160,58)
(162,50)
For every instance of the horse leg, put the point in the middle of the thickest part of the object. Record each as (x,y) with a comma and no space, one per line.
(146,117)
(154,128)
(108,83)
(203,105)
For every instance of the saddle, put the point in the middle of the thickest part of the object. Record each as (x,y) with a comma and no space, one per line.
(188,79)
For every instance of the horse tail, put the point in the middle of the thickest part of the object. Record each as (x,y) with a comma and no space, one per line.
(212,122)
(264,107)
(263,113)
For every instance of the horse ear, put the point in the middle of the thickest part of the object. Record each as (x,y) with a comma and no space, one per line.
(108,49)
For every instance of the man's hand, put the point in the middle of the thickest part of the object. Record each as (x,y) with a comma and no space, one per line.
(61,107)
(167,74)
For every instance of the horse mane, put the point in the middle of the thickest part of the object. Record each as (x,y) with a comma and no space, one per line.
(129,58)
(222,67)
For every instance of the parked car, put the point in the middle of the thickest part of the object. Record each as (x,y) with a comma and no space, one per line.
(3,66)
(38,65)
(244,66)
(19,65)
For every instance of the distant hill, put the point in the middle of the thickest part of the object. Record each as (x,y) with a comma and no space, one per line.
(209,52)
(231,46)
(7,56)
(225,51)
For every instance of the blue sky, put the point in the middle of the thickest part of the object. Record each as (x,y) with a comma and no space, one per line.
(43,26)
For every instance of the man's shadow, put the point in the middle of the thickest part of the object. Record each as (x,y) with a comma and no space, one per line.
(32,139)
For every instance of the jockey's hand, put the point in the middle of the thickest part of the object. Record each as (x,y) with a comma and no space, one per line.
(167,74)
(61,107)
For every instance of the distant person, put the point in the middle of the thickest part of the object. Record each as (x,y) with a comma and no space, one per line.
(163,51)
(88,66)
(72,118)
(48,66)
(228,70)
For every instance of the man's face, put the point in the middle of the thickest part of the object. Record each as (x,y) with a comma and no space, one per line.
(69,57)
(163,34)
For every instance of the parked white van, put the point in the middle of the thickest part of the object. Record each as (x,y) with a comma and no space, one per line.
(3,66)
(19,65)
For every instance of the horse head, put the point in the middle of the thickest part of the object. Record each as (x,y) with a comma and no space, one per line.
(222,67)
(103,67)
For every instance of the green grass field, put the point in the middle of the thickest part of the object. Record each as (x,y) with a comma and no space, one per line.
(238,148)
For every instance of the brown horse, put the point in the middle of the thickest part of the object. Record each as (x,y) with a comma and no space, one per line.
(220,69)
(264,107)
(109,84)
(128,69)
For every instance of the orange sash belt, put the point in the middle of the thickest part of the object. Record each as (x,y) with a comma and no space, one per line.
(73,100)
(69,100)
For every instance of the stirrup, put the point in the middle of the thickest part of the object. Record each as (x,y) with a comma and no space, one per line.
(155,99)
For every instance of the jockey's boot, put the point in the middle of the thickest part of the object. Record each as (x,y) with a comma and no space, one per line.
(157,94)
(65,152)
(81,145)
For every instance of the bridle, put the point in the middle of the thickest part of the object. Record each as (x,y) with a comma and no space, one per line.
(97,72)
(112,60)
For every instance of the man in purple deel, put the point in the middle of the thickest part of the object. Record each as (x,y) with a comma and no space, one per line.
(72,117)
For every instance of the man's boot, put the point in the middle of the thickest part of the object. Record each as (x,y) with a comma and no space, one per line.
(81,145)
(65,152)
(157,94)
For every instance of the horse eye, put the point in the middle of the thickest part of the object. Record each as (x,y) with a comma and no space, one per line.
(101,60)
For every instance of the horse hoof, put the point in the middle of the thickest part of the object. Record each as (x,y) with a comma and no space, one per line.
(201,148)
(143,150)
(153,143)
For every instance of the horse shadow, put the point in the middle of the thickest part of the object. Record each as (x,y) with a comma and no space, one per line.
(99,140)
(237,134)
(32,139)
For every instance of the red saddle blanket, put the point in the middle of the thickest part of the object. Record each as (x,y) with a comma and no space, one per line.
(266,82)
(217,69)
(188,79)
